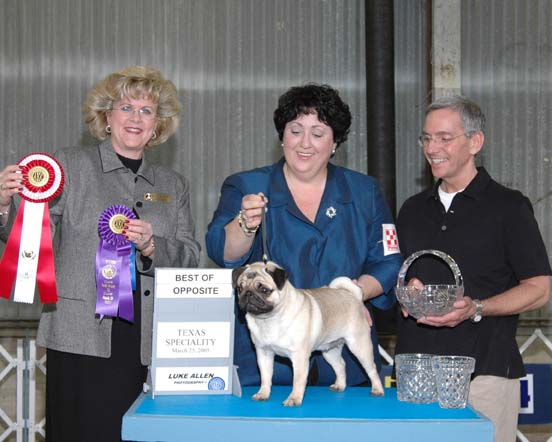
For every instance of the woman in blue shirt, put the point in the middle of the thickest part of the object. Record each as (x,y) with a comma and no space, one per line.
(322,221)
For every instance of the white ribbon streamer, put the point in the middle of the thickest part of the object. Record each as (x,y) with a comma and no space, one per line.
(29,249)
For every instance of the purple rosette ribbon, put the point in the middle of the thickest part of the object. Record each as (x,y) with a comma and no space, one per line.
(113,278)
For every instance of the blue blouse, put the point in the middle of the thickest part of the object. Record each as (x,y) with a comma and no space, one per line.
(346,239)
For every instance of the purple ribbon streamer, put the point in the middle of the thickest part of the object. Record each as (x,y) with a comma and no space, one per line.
(113,279)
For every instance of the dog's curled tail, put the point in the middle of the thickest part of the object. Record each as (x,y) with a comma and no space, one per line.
(347,284)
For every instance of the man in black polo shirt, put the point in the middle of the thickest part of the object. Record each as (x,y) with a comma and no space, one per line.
(491,233)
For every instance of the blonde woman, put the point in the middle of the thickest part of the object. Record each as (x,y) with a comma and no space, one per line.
(96,368)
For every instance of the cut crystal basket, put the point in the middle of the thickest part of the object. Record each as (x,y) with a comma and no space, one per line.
(433,299)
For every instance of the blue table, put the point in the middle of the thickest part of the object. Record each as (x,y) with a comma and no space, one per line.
(324,416)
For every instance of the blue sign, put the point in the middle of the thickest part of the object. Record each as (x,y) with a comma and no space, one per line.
(536,395)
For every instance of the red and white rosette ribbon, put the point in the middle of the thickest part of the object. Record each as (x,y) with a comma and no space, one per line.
(28,258)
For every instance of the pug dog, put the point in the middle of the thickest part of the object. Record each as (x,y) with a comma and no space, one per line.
(294,322)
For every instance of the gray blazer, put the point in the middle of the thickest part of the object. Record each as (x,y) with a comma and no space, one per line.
(95,179)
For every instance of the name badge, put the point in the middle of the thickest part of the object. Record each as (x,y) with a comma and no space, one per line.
(157,197)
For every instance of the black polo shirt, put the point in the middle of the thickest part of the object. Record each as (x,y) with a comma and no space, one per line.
(491,233)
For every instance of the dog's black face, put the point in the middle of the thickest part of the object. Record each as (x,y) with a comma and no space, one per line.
(254,287)
(255,301)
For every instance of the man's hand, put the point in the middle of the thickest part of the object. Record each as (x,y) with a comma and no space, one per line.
(463,310)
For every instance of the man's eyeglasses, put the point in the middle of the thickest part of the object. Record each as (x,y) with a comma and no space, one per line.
(442,140)
(147,113)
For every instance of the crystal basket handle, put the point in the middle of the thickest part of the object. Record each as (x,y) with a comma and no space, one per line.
(445,257)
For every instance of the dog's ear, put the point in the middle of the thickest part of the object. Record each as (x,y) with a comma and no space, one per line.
(236,274)
(279,275)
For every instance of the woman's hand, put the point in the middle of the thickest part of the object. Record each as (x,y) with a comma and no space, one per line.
(252,210)
(240,232)
(11,180)
(140,233)
(369,285)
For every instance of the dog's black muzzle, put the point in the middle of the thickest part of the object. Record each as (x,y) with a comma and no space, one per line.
(254,303)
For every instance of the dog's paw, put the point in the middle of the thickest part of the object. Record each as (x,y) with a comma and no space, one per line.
(293,401)
(260,396)
(376,392)
(337,387)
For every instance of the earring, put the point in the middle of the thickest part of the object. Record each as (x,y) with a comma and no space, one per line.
(333,151)
(282,145)
(108,129)
(154,136)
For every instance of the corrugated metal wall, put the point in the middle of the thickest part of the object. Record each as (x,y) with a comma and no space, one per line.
(509,71)
(411,55)
(230,60)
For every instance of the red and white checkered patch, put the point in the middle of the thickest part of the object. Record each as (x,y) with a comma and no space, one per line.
(390,240)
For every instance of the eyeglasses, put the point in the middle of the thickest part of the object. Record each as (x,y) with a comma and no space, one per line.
(441,140)
(147,113)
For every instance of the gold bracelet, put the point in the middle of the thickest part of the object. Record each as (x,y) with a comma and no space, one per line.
(246,230)
(152,245)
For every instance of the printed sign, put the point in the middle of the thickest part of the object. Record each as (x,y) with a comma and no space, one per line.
(193,339)
(194,284)
(193,332)
(186,379)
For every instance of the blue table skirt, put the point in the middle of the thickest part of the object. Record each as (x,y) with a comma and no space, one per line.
(324,416)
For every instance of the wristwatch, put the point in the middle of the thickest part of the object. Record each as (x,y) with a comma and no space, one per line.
(478,315)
